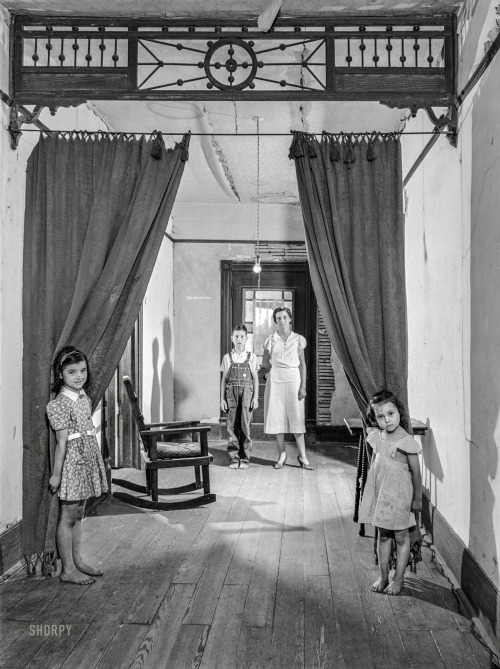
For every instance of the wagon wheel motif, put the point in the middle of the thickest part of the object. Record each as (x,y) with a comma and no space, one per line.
(235,64)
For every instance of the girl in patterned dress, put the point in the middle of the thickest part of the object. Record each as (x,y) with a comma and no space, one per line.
(393,490)
(78,466)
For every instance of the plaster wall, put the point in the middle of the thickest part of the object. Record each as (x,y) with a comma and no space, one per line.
(193,220)
(197,314)
(158,341)
(453,272)
(12,203)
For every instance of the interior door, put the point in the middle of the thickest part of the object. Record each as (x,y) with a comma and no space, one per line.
(250,298)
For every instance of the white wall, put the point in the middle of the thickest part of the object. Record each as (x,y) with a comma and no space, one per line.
(453,274)
(12,196)
(158,340)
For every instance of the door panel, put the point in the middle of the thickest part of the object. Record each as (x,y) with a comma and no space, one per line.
(245,301)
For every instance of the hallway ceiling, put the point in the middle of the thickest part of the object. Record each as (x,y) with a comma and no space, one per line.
(223,168)
(228,8)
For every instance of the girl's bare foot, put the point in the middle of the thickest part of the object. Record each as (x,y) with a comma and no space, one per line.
(243,465)
(394,587)
(86,569)
(75,577)
(380,584)
(234,465)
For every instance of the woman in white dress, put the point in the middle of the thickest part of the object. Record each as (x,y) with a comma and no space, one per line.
(285,387)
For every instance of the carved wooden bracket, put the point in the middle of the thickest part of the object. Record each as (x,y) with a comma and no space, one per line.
(20,116)
(413,104)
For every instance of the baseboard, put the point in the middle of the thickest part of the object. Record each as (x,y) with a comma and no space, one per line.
(10,547)
(479,589)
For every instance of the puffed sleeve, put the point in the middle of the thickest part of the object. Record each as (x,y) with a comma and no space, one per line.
(58,414)
(410,445)
(302,343)
(268,343)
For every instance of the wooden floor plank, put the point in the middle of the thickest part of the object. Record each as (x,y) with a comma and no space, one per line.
(288,622)
(274,572)
(160,638)
(421,649)
(321,642)
(194,564)
(351,624)
(209,586)
(161,575)
(10,630)
(259,605)
(454,650)
(222,642)
(56,649)
(13,591)
(123,647)
(242,561)
(99,634)
(254,648)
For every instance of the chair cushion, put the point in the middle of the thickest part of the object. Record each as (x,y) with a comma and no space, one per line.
(175,449)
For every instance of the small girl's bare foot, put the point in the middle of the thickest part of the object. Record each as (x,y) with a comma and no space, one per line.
(86,569)
(234,465)
(380,584)
(243,465)
(394,587)
(75,577)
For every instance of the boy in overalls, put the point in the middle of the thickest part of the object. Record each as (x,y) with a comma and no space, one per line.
(239,396)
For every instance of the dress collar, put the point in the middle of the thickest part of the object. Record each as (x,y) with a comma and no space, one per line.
(290,336)
(72,394)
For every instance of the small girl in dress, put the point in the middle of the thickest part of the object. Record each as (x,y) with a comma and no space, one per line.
(78,466)
(393,490)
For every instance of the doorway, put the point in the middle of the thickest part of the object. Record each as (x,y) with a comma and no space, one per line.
(247,300)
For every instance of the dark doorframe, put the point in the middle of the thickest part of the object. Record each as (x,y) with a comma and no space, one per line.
(236,276)
(120,438)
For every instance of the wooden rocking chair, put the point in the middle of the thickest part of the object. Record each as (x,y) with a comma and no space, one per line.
(159,454)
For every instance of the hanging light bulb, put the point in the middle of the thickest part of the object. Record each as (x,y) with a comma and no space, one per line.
(257,268)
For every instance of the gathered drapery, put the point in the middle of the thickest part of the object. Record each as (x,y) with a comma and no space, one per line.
(350,190)
(97,207)
(351,193)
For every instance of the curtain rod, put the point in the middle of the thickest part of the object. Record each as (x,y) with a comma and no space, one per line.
(227,134)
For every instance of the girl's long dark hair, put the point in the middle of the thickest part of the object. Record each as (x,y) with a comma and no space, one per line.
(381,397)
(68,355)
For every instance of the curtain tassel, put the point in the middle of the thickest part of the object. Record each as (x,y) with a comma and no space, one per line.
(296,150)
(157,147)
(335,152)
(349,156)
(312,151)
(370,154)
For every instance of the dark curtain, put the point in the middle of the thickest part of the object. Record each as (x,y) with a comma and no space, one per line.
(97,207)
(350,190)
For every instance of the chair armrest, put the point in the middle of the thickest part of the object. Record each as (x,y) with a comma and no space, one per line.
(174,423)
(148,434)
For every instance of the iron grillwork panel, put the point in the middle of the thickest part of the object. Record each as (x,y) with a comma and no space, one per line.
(345,60)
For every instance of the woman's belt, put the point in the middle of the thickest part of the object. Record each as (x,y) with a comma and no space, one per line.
(76,435)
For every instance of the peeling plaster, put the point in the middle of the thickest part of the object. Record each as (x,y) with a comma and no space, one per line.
(220,155)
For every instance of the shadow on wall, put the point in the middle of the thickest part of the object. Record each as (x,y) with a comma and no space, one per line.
(167,373)
(482,535)
(433,471)
(162,387)
(155,386)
